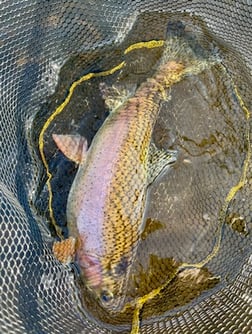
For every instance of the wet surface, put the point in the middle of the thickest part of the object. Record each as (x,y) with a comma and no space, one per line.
(204,121)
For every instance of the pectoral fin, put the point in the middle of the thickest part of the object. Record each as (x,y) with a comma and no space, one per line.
(158,161)
(74,147)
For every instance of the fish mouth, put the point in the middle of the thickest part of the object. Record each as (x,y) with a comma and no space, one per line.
(110,294)
(99,282)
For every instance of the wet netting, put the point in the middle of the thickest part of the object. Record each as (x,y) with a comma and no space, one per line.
(64,66)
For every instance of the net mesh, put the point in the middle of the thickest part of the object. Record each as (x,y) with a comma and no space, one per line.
(45,46)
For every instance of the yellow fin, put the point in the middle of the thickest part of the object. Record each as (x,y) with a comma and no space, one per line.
(74,147)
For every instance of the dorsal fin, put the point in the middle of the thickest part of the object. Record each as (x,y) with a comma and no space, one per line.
(74,147)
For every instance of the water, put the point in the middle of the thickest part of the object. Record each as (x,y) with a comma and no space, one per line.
(204,121)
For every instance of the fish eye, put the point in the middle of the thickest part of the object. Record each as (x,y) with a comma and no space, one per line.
(106,296)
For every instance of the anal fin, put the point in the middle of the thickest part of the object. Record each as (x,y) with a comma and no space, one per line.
(158,161)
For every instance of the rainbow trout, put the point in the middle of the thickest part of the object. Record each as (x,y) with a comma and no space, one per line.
(106,203)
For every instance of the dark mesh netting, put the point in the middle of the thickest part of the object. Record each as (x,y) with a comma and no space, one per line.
(192,269)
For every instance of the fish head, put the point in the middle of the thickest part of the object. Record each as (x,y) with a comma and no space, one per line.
(105,279)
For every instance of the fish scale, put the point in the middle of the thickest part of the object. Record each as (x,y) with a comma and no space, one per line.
(125,200)
(106,203)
